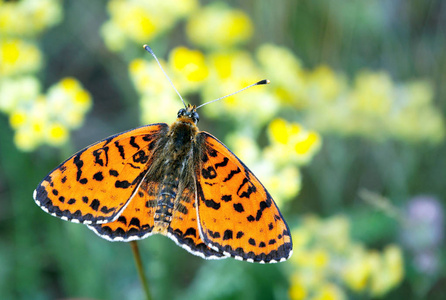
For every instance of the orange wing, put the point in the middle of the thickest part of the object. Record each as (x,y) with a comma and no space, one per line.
(184,229)
(95,185)
(136,221)
(237,215)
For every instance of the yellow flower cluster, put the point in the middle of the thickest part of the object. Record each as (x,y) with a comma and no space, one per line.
(39,119)
(373,105)
(217,26)
(18,57)
(141,21)
(294,143)
(326,260)
(36,118)
(28,17)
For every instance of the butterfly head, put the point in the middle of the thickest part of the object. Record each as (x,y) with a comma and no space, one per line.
(189,113)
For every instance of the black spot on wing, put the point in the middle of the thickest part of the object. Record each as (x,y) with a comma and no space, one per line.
(133,143)
(135,222)
(120,149)
(214,235)
(231,174)
(95,204)
(98,176)
(226,198)
(209,173)
(227,235)
(212,204)
(238,207)
(251,189)
(122,184)
(223,163)
(263,205)
(140,157)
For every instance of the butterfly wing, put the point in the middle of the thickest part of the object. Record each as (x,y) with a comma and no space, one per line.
(237,215)
(136,220)
(184,229)
(95,185)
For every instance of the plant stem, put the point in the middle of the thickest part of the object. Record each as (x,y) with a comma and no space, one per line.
(140,269)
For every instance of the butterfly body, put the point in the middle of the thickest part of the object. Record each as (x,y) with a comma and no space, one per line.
(171,180)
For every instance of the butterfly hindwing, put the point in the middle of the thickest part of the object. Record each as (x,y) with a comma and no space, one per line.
(184,228)
(237,215)
(136,220)
(94,185)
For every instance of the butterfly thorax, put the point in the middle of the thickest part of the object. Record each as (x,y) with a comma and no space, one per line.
(176,157)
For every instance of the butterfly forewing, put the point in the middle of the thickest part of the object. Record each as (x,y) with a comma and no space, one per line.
(94,185)
(237,215)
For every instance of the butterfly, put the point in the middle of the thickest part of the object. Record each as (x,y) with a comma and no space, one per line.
(171,180)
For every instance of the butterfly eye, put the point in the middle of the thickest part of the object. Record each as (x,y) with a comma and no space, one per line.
(196,117)
(181,112)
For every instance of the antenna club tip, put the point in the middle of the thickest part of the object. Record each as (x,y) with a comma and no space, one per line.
(264,81)
(148,49)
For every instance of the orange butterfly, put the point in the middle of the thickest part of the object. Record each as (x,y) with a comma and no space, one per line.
(173,180)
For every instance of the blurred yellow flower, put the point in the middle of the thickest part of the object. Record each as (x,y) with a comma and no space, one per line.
(141,21)
(324,85)
(57,134)
(28,17)
(329,291)
(159,102)
(295,144)
(230,72)
(18,57)
(14,91)
(298,290)
(285,72)
(322,264)
(218,26)
(39,119)
(372,93)
(189,69)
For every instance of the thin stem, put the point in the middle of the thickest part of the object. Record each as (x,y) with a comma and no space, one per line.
(140,269)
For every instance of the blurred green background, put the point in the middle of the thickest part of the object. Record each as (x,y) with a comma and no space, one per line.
(355,109)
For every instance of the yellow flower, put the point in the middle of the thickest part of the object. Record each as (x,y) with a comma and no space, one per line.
(29,17)
(373,93)
(295,144)
(141,21)
(25,139)
(68,102)
(18,57)
(17,119)
(230,72)
(15,92)
(189,69)
(217,26)
(285,72)
(298,290)
(356,272)
(329,291)
(57,134)
(323,84)
(387,270)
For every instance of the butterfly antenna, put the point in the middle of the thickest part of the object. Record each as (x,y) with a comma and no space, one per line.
(264,81)
(148,49)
